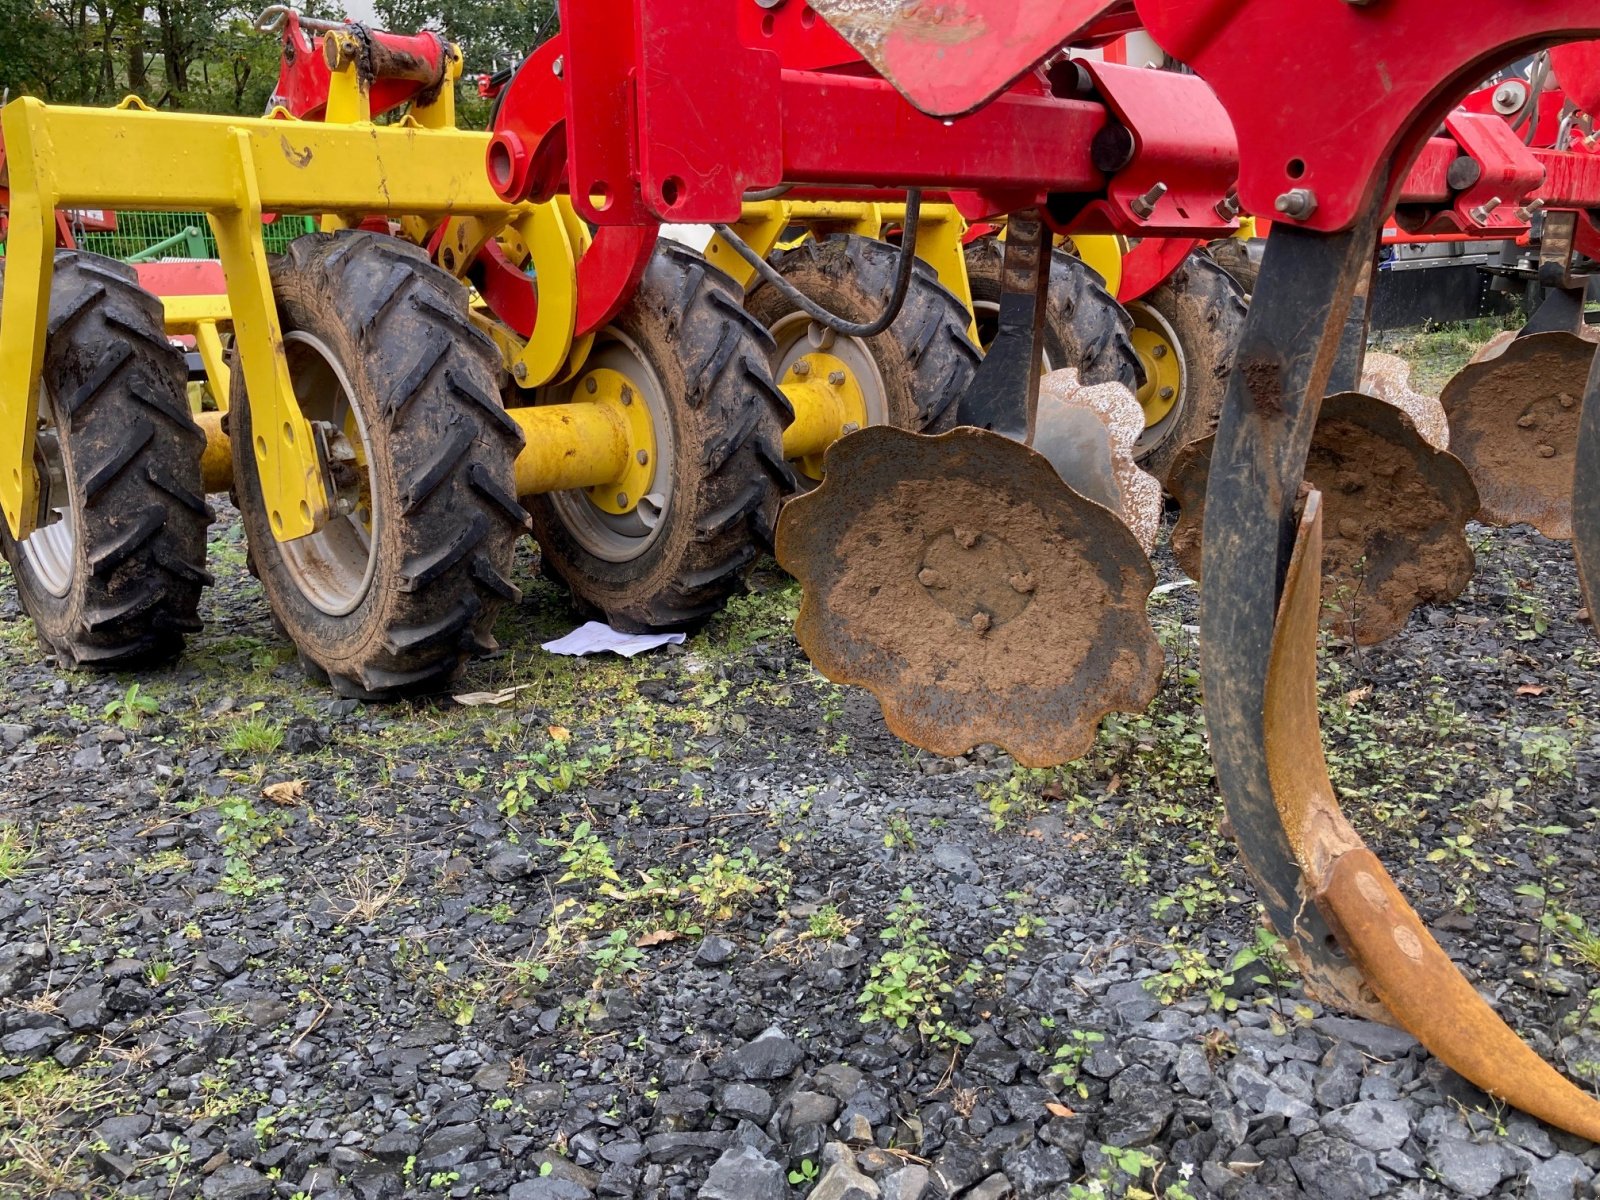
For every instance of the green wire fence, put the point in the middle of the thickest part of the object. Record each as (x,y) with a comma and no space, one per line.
(147,236)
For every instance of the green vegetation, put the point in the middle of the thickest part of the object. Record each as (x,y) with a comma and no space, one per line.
(14,852)
(907,984)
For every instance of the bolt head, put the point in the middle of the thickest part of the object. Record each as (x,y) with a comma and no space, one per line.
(1159,351)
(1167,393)
(642,457)
(836,378)
(801,368)
(591,385)
(622,499)
(520,371)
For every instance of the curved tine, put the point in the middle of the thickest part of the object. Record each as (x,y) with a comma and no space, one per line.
(1383,935)
(271,18)
(1586,492)
(1286,354)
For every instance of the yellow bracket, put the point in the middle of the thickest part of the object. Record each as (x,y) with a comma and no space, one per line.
(292,487)
(231,168)
(1102,253)
(552,237)
(201,318)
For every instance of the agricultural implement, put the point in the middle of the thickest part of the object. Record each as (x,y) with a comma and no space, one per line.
(382,468)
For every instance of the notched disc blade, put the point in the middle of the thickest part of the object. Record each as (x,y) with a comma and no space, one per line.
(1513,415)
(975,594)
(1396,511)
(1389,949)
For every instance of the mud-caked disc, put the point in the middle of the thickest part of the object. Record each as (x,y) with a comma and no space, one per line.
(1396,511)
(1513,413)
(972,591)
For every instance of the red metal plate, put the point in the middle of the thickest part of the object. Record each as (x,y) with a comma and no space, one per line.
(1337,97)
(949,58)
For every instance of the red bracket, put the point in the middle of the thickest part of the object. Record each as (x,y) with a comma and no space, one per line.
(1182,155)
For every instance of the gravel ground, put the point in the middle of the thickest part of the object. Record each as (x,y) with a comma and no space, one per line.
(696,925)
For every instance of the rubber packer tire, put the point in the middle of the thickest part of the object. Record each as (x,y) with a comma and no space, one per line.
(925,357)
(131,454)
(441,456)
(1084,326)
(710,357)
(1233,256)
(1205,306)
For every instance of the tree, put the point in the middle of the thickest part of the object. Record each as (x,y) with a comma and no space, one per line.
(491,33)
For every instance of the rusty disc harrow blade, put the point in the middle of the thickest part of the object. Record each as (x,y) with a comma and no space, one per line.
(1513,415)
(1386,942)
(975,594)
(1396,512)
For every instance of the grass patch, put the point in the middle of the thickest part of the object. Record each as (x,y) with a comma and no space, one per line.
(14,852)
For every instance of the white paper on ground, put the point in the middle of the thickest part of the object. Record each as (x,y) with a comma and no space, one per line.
(1177,586)
(592,637)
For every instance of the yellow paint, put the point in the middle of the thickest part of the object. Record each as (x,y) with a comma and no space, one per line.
(216,461)
(828,403)
(582,444)
(1163,366)
(1102,254)
(620,493)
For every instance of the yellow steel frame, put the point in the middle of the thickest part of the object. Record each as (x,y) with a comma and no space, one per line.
(202,318)
(232,169)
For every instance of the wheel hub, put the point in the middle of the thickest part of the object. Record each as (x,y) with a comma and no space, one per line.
(1162,358)
(52,547)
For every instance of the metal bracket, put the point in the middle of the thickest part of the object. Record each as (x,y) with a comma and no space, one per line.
(1004,394)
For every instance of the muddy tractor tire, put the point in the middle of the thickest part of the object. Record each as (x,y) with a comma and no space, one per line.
(113,574)
(401,586)
(1186,331)
(1233,256)
(698,361)
(1084,326)
(910,375)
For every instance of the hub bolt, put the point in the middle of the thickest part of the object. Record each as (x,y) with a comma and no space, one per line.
(836,378)
(591,385)
(801,368)
(1166,393)
(643,456)
(1159,351)
(520,371)
(622,499)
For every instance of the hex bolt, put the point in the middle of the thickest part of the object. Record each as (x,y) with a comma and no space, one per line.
(802,368)
(627,396)
(1298,204)
(1228,207)
(591,385)
(1159,351)
(1527,211)
(622,499)
(1166,393)
(642,457)
(1484,211)
(981,621)
(836,378)
(520,371)
(1143,206)
(850,427)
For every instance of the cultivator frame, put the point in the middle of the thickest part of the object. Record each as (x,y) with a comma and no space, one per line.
(596,128)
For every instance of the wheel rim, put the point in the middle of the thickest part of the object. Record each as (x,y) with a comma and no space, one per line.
(51,551)
(1166,371)
(334,567)
(622,536)
(986,315)
(801,340)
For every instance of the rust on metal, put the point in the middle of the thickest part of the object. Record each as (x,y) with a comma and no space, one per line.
(974,593)
(1384,939)
(1397,510)
(1513,413)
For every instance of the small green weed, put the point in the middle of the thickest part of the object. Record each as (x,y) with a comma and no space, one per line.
(131,708)
(906,985)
